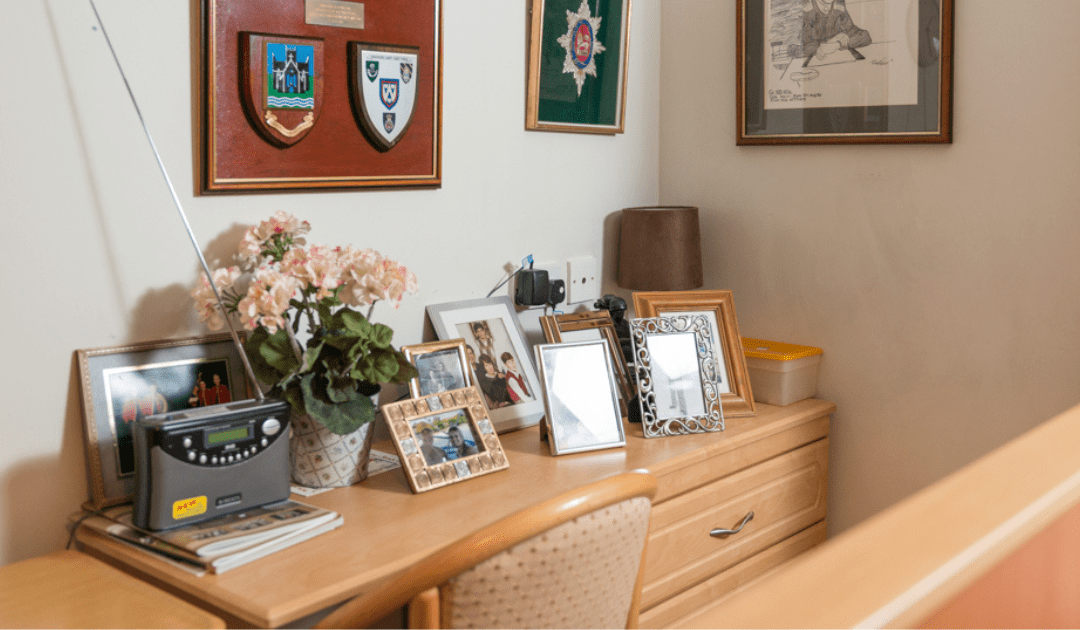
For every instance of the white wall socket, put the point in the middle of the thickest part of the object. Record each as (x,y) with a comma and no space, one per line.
(582,283)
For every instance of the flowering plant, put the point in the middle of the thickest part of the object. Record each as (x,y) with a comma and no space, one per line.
(279,284)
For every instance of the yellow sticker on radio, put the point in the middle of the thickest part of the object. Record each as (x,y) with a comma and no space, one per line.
(187,508)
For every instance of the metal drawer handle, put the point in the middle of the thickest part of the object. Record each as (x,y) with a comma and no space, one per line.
(720,533)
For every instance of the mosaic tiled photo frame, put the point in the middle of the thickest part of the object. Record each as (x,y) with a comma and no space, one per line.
(444,438)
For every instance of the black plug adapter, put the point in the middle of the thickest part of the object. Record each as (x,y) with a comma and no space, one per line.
(531,287)
(556,292)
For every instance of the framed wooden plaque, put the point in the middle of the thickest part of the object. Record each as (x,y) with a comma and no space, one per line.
(320,94)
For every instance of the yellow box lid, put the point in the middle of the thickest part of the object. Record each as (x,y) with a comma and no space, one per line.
(761,349)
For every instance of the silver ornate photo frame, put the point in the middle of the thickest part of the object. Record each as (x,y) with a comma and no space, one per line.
(678,388)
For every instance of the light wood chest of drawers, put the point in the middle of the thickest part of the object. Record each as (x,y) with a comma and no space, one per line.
(781,478)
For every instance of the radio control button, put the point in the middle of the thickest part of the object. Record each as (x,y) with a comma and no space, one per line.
(264,442)
(191,456)
(230,459)
(187,441)
(213,460)
(271,426)
(202,458)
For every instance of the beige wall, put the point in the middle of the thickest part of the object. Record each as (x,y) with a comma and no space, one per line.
(941,281)
(96,255)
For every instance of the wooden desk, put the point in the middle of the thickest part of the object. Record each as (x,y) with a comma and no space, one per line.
(774,463)
(68,589)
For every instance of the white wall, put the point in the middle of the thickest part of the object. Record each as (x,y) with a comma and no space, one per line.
(941,281)
(97,256)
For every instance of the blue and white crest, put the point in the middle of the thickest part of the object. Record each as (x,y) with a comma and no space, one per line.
(388,90)
(384,95)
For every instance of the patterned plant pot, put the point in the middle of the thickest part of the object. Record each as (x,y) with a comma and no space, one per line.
(321,459)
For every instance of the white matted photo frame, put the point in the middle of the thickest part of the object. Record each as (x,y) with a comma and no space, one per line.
(121,384)
(580,396)
(495,350)
(677,383)
(719,307)
(592,326)
(440,365)
(445,438)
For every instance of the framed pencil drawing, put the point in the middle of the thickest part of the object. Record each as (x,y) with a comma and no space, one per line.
(577,65)
(592,326)
(122,384)
(320,94)
(844,71)
(719,308)
(495,349)
(444,438)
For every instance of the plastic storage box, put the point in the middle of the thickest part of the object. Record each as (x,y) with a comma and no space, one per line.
(781,373)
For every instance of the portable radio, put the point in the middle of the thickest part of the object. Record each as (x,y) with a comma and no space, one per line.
(195,465)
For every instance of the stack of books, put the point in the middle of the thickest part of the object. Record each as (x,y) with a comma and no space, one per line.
(221,544)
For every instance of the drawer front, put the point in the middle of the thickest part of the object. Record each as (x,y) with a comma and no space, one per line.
(786,494)
(674,481)
(679,611)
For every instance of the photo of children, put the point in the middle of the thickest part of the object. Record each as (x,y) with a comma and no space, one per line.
(445,437)
(133,393)
(439,371)
(490,354)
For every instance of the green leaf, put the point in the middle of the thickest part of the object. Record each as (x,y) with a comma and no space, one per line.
(341,417)
(311,355)
(355,322)
(271,356)
(381,336)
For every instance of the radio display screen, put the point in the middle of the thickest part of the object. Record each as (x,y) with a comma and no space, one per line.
(228,435)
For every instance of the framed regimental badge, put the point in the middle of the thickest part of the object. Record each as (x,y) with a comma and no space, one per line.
(292,100)
(382,87)
(444,438)
(577,65)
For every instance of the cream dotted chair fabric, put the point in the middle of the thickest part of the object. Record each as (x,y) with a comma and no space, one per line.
(572,562)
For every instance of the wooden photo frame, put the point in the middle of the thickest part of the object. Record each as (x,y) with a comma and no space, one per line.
(578,53)
(583,404)
(441,366)
(503,370)
(339,111)
(445,438)
(677,384)
(736,395)
(879,73)
(120,384)
(591,326)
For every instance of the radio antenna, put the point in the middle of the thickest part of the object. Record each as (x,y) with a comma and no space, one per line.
(180,208)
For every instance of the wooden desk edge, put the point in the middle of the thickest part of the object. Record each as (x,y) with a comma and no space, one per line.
(900,566)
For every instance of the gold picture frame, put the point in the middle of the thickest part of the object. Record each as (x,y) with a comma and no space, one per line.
(119,384)
(441,366)
(444,439)
(589,326)
(738,400)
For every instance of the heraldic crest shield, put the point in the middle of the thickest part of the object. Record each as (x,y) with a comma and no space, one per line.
(382,87)
(281,85)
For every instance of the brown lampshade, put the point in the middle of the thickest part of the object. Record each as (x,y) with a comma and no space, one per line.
(660,249)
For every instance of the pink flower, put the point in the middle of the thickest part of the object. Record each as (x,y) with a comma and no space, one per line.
(206,302)
(267,300)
